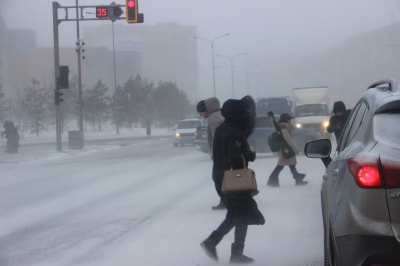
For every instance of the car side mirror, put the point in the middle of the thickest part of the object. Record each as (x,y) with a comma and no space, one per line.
(320,149)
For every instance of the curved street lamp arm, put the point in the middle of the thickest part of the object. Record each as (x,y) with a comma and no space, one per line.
(220,37)
(195,37)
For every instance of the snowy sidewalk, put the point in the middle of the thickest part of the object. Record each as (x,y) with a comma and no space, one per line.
(44,147)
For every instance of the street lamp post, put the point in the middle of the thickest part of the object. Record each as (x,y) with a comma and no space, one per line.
(247,74)
(231,57)
(212,50)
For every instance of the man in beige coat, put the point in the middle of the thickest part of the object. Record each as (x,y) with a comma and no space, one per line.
(210,108)
(284,122)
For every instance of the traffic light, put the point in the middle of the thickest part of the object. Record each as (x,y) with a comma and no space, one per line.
(58,98)
(131,11)
(63,82)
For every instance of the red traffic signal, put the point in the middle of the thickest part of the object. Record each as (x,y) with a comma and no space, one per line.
(131,11)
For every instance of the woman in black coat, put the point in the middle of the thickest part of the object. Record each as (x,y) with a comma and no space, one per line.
(229,148)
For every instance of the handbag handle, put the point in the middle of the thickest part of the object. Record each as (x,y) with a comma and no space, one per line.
(244,164)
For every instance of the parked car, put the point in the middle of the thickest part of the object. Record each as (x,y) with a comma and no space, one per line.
(186,129)
(360,194)
(258,140)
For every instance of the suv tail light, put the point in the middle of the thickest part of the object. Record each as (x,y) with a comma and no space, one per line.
(391,171)
(366,171)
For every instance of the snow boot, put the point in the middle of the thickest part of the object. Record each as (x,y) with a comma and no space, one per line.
(237,256)
(273,182)
(301,183)
(299,176)
(220,206)
(210,243)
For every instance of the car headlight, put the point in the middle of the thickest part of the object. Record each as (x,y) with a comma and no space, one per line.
(298,125)
(326,124)
(177,134)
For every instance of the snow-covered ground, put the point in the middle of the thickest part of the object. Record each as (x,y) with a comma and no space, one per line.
(147,204)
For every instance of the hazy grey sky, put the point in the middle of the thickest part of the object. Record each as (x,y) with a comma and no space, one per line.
(262,26)
(256,27)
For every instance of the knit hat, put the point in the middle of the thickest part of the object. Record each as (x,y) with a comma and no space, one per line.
(285,117)
(201,107)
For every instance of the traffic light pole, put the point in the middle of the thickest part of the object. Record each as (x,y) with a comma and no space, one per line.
(79,79)
(79,17)
(57,73)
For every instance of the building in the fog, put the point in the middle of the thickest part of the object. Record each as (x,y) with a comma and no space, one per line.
(14,43)
(166,51)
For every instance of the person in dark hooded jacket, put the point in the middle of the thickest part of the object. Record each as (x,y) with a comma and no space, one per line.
(229,148)
(338,121)
(11,134)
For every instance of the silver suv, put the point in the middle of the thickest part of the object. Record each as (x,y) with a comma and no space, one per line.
(360,192)
(186,130)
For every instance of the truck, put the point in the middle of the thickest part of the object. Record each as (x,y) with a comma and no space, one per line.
(310,109)
(278,105)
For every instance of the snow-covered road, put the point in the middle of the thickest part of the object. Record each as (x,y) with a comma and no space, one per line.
(148,204)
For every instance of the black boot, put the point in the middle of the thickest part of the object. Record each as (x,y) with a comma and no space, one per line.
(237,256)
(301,183)
(297,176)
(220,206)
(273,180)
(210,243)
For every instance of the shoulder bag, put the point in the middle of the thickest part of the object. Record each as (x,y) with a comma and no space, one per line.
(240,180)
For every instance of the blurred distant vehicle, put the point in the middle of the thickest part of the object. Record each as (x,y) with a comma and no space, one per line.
(200,140)
(310,108)
(186,129)
(360,194)
(277,105)
(258,140)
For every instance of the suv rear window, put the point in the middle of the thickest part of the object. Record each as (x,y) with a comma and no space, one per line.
(387,128)
(189,124)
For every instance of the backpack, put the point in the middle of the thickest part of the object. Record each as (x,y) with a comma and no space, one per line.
(274,141)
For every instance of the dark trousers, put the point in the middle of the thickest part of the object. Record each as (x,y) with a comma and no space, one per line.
(278,169)
(240,231)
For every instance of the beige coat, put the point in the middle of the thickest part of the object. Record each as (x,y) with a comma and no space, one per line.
(285,128)
(214,119)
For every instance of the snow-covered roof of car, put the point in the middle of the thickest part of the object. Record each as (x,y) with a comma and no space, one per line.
(385,98)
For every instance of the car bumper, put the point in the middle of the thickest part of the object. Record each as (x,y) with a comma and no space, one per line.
(368,250)
(185,140)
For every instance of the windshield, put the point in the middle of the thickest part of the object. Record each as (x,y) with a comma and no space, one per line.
(274,105)
(311,110)
(189,124)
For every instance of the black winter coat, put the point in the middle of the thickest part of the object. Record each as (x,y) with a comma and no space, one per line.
(337,123)
(228,146)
